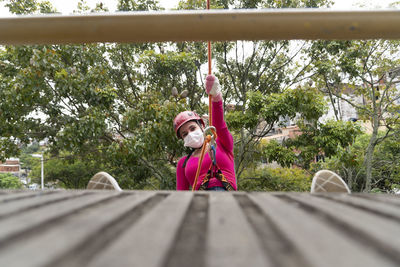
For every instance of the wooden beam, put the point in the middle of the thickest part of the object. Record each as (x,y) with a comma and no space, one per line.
(214,25)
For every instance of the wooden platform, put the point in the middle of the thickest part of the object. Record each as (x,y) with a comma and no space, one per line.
(162,228)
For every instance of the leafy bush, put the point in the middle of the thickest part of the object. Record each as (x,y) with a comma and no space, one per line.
(276,179)
(9,181)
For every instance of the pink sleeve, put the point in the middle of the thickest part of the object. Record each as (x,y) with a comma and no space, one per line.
(181,181)
(224,136)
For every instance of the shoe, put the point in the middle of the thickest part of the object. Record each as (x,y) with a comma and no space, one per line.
(103,181)
(328,181)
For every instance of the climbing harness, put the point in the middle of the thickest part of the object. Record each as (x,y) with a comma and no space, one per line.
(214,171)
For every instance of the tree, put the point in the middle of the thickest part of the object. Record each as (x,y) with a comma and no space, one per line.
(66,171)
(318,139)
(362,70)
(301,103)
(110,103)
(349,163)
(27,161)
(386,164)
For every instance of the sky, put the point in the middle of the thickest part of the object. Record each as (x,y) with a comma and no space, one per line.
(67,7)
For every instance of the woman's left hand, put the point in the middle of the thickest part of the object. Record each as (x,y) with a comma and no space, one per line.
(213,88)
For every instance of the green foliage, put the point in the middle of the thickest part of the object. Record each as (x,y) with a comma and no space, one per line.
(151,143)
(273,151)
(386,171)
(349,163)
(366,66)
(67,171)
(173,69)
(109,106)
(329,139)
(22,7)
(215,4)
(29,6)
(140,5)
(265,111)
(306,105)
(26,159)
(276,179)
(9,181)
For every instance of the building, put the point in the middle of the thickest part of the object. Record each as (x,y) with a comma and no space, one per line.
(11,165)
(284,133)
(339,108)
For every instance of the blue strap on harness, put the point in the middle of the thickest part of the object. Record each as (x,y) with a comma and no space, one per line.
(214,151)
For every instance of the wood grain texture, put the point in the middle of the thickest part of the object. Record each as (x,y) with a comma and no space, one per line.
(168,228)
(211,25)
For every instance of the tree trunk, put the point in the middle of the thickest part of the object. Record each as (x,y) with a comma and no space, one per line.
(241,155)
(369,156)
(349,173)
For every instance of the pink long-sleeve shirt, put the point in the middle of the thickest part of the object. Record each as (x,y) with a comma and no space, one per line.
(224,157)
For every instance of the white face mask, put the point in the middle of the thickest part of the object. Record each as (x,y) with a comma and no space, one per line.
(194,139)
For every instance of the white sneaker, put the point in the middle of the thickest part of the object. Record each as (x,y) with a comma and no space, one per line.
(103,181)
(328,181)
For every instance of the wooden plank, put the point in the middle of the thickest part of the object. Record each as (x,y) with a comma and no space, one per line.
(74,235)
(275,245)
(147,242)
(190,241)
(230,238)
(320,244)
(40,219)
(368,204)
(365,227)
(10,196)
(384,198)
(201,25)
(29,202)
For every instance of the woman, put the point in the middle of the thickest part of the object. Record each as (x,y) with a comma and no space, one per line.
(190,127)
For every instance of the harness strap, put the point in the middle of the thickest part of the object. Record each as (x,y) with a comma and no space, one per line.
(217,174)
(220,176)
(206,180)
(187,158)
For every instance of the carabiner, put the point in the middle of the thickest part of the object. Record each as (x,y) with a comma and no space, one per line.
(212,129)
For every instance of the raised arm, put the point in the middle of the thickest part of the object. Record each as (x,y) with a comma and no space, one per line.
(224,136)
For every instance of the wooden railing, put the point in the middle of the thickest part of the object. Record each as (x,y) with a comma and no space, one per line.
(213,25)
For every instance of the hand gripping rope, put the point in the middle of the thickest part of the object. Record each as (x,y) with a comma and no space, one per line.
(213,171)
